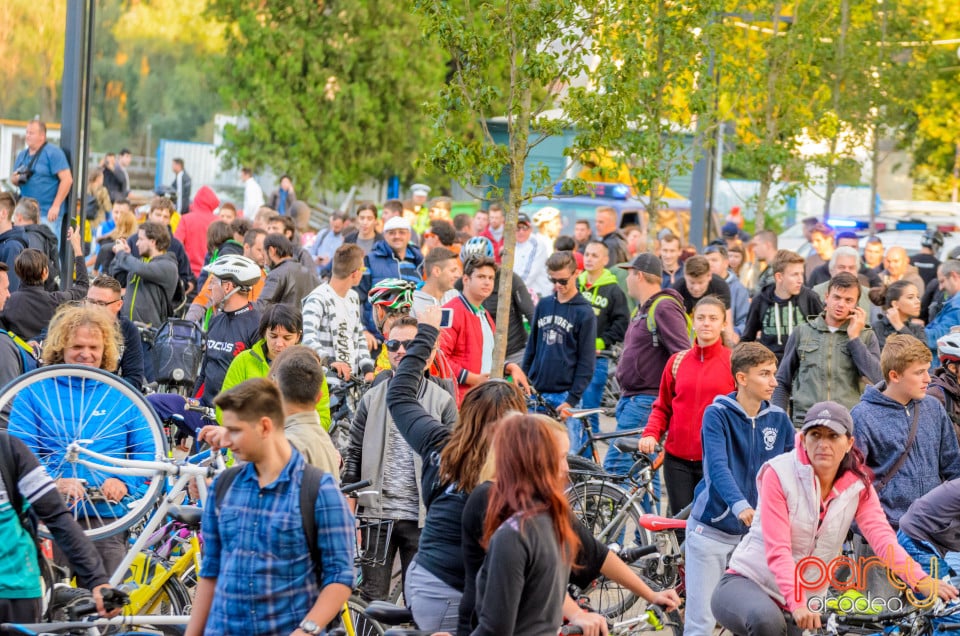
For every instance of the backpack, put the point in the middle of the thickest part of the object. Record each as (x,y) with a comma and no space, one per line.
(178,350)
(652,321)
(309,488)
(28,359)
(27,518)
(48,247)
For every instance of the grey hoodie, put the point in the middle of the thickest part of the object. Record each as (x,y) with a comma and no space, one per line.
(881,428)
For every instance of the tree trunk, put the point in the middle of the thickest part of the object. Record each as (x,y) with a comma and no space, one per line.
(831,177)
(518,130)
(762,196)
(956,174)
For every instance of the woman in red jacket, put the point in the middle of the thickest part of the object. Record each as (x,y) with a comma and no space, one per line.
(690,381)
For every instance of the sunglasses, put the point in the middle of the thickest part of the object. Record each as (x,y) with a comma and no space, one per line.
(103,303)
(559,281)
(394,345)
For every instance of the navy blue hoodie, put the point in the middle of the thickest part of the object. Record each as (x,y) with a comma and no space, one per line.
(735,446)
(562,347)
(881,427)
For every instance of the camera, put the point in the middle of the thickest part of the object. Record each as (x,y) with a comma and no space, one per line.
(23,175)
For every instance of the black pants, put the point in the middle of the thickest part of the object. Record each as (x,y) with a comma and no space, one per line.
(20,610)
(112,549)
(681,477)
(405,539)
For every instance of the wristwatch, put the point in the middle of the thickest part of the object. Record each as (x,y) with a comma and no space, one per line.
(310,627)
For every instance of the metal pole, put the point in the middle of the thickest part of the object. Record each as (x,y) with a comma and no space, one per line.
(700,181)
(75,116)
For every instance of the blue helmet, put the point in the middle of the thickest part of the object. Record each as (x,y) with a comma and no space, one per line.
(476,246)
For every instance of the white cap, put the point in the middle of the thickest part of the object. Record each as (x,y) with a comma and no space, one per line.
(397,223)
(419,188)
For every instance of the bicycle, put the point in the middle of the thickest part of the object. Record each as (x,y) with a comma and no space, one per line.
(76,403)
(610,506)
(911,621)
(344,399)
(575,459)
(72,609)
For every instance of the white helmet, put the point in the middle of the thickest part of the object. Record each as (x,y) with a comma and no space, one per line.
(545,214)
(948,348)
(239,270)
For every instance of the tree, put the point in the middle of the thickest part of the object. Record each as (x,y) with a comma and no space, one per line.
(652,83)
(935,130)
(770,86)
(515,60)
(31,48)
(333,92)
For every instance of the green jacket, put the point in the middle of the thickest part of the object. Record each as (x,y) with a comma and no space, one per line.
(819,365)
(252,363)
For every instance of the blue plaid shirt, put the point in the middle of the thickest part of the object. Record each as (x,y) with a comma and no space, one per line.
(256,549)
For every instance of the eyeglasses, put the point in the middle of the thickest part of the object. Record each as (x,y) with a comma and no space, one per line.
(394,345)
(559,281)
(103,303)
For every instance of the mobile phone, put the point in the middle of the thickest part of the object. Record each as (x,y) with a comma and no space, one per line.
(446,318)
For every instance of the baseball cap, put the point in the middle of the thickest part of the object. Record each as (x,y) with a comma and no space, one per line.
(646,263)
(523,219)
(829,414)
(419,188)
(397,223)
(730,230)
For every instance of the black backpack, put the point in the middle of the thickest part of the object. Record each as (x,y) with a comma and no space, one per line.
(178,351)
(309,488)
(48,245)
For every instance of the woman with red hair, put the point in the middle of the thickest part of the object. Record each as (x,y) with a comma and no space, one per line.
(528,533)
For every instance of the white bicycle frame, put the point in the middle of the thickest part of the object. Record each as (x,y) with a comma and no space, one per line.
(181,470)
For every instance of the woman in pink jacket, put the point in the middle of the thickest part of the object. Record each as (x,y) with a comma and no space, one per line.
(808,500)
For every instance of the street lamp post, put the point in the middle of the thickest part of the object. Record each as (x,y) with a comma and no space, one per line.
(75,116)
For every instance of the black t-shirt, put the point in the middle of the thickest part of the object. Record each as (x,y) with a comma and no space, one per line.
(587,568)
(717,287)
(926,265)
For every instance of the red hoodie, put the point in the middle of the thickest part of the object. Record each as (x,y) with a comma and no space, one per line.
(192,229)
(462,343)
(703,374)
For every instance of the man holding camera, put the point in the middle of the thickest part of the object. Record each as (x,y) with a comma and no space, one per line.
(42,173)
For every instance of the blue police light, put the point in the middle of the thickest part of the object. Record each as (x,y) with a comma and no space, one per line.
(619,191)
(846,223)
(911,225)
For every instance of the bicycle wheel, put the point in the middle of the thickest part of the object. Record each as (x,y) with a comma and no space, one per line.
(172,599)
(53,407)
(362,626)
(581,469)
(606,510)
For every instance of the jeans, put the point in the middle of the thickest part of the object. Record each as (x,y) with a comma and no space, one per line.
(404,538)
(435,605)
(706,560)
(924,554)
(632,413)
(742,607)
(591,399)
(573,424)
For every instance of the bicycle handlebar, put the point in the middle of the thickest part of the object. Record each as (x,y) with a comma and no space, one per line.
(348,489)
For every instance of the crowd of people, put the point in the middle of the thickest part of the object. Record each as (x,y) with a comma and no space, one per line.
(792,396)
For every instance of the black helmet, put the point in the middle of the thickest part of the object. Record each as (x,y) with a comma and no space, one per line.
(932,239)
(954,254)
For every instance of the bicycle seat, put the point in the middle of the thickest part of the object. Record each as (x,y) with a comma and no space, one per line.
(655,523)
(587,412)
(189,515)
(388,613)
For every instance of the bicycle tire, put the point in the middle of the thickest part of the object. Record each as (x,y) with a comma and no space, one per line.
(581,469)
(87,393)
(362,625)
(596,504)
(172,599)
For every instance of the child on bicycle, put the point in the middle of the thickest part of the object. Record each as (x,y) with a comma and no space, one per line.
(741,431)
